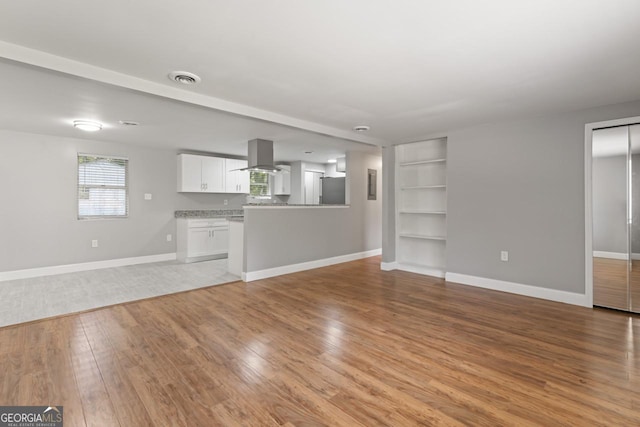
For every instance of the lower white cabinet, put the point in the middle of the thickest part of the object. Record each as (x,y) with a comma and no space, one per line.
(202,239)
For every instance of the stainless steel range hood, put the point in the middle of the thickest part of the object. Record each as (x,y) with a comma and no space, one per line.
(261,156)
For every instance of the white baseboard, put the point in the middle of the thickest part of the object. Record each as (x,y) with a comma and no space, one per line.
(388,266)
(520,289)
(413,268)
(294,268)
(611,255)
(85,266)
(422,269)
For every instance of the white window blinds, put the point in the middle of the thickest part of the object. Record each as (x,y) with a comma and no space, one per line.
(103,187)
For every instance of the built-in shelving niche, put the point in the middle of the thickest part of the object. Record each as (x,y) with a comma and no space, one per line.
(421,206)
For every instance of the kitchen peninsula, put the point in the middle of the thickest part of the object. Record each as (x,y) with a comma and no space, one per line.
(279,239)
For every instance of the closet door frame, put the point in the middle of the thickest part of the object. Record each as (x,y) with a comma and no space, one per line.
(588,197)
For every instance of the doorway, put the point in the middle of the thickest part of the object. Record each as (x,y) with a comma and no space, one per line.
(312,187)
(612,183)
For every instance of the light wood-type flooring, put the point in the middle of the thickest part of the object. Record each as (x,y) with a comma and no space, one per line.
(346,345)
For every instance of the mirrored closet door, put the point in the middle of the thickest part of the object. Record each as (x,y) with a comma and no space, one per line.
(616,217)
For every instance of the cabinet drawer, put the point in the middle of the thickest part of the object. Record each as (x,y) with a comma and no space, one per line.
(205,223)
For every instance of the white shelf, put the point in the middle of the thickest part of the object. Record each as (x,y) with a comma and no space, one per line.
(412,212)
(422,162)
(421,236)
(422,187)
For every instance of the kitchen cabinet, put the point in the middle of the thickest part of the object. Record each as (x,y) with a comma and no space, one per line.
(282,181)
(202,239)
(206,174)
(236,181)
(200,174)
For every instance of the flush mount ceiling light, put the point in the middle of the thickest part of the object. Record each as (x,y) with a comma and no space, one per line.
(184,77)
(332,161)
(87,125)
(128,123)
(308,152)
(361,128)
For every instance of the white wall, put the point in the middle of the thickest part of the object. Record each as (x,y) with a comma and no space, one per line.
(330,171)
(38,205)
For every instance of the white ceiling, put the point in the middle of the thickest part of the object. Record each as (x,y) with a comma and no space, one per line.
(50,101)
(407,68)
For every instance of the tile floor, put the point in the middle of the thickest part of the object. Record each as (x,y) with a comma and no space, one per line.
(40,297)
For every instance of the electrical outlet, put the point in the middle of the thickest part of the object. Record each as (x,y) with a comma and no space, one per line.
(94,243)
(169,237)
(148,196)
(504,256)
(226,202)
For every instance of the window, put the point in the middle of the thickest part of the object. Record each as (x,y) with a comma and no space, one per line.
(259,184)
(103,187)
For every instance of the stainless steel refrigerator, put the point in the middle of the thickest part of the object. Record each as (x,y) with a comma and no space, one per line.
(333,191)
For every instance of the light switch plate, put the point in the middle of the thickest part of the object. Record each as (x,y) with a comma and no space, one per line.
(504,256)
(148,196)
(94,243)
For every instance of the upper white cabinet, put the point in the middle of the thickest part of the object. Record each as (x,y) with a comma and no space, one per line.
(236,181)
(282,181)
(190,173)
(205,174)
(213,174)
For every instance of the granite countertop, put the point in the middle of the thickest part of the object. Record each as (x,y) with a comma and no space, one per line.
(279,205)
(236,219)
(211,213)
(238,214)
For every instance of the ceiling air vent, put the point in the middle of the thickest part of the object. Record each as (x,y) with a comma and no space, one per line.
(184,77)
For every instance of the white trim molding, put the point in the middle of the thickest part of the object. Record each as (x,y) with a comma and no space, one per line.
(611,255)
(520,289)
(309,265)
(85,266)
(388,266)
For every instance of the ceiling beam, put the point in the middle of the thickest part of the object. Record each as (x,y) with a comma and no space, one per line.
(68,66)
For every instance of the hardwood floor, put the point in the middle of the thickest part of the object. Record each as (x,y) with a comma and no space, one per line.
(346,345)
(610,283)
(610,289)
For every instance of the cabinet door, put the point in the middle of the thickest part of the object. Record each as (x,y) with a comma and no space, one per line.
(282,182)
(286,181)
(231,175)
(189,173)
(199,242)
(213,174)
(237,181)
(243,177)
(219,242)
